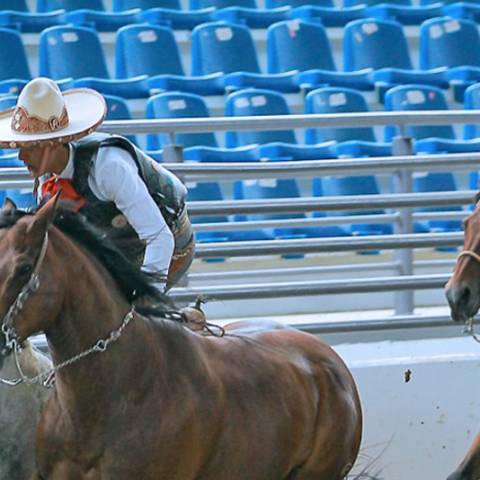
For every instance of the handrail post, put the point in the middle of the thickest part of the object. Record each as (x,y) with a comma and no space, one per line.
(173,152)
(403,300)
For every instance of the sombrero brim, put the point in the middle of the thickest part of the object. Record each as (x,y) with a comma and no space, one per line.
(86,111)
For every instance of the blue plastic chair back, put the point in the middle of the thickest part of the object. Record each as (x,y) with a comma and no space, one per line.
(371,3)
(437,182)
(299,3)
(223,47)
(472,102)
(257,102)
(337,100)
(357,185)
(270,189)
(117,109)
(448,42)
(123,5)
(207,191)
(7,101)
(178,105)
(372,43)
(15,5)
(289,47)
(69,5)
(75,52)
(199,4)
(146,50)
(417,97)
(13,56)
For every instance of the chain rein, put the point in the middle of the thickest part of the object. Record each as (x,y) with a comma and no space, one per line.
(468,328)
(13,344)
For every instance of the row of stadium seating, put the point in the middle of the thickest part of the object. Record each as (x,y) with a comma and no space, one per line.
(224,58)
(94,14)
(282,145)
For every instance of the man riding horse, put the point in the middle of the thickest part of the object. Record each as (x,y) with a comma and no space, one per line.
(105,177)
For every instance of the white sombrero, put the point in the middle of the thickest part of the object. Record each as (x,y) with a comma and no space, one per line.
(44,114)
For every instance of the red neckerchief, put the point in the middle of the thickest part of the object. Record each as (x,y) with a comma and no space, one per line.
(55,184)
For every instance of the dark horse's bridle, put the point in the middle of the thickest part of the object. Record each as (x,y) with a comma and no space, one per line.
(469,327)
(12,343)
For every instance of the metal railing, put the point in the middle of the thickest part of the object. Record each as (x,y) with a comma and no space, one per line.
(402,165)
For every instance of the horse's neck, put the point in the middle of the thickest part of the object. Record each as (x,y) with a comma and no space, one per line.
(92,309)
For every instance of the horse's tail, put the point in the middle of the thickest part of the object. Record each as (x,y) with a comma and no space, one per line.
(366,467)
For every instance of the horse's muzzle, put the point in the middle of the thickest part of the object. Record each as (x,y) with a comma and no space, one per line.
(464,302)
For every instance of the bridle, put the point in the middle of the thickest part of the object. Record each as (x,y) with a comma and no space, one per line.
(12,343)
(32,285)
(469,253)
(469,327)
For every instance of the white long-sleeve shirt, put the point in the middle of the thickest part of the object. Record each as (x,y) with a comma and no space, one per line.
(114,177)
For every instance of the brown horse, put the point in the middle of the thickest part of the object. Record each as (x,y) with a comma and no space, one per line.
(144,398)
(463,295)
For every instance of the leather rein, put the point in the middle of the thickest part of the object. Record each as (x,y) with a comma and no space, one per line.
(12,343)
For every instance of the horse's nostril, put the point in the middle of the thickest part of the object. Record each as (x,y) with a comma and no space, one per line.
(465,295)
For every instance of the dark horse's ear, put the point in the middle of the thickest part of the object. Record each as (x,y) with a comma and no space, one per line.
(44,217)
(9,207)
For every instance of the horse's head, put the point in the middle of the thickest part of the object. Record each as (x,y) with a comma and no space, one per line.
(463,289)
(27,303)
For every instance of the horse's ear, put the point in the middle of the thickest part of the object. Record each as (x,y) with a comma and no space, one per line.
(9,207)
(44,217)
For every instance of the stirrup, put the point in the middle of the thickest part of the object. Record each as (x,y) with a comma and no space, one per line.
(194,316)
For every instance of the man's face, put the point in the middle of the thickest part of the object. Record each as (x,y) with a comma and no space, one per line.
(36,159)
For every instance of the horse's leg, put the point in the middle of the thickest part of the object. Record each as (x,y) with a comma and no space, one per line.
(469,469)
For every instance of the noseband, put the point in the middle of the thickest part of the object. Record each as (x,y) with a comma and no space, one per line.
(469,253)
(469,327)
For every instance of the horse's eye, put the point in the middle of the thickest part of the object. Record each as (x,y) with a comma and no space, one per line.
(24,269)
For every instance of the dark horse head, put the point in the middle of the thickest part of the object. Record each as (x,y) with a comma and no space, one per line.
(23,236)
(463,289)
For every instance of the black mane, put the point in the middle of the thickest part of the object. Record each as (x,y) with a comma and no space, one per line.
(137,286)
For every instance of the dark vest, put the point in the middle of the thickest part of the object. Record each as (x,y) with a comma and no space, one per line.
(166,189)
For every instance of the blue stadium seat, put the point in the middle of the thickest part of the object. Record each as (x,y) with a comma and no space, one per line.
(166,12)
(14,5)
(382,45)
(285,188)
(23,198)
(276,144)
(117,109)
(16,14)
(76,52)
(453,44)
(456,9)
(472,102)
(356,185)
(212,191)
(245,12)
(421,97)
(437,182)
(417,98)
(92,13)
(289,47)
(229,48)
(403,11)
(321,11)
(152,50)
(354,141)
(14,68)
(200,147)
